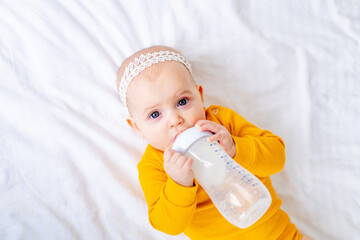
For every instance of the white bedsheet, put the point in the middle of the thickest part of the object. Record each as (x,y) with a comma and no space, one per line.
(68,159)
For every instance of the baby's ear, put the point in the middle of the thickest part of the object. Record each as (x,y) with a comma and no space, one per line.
(131,121)
(200,89)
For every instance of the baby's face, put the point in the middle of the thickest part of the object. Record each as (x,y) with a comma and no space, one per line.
(164,101)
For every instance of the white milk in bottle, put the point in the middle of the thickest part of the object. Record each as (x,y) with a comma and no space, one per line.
(238,195)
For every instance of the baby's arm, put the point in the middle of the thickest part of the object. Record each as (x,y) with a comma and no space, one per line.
(259,151)
(170,205)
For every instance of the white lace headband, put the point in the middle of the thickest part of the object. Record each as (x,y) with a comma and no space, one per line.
(143,62)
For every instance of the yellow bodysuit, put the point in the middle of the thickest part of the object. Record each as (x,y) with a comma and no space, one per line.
(174,209)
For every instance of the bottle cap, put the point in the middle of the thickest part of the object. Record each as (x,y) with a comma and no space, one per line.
(184,140)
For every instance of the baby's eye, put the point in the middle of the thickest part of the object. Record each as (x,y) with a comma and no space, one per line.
(183,102)
(154,114)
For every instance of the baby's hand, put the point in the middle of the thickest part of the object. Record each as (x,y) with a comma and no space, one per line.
(221,134)
(178,167)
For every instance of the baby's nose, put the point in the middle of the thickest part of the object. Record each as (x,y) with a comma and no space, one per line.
(176,120)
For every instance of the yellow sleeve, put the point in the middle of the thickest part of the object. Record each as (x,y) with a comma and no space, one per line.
(170,205)
(259,151)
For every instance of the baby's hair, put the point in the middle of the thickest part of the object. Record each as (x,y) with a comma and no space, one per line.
(137,54)
(141,60)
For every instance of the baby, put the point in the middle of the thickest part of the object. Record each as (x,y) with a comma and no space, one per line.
(162,99)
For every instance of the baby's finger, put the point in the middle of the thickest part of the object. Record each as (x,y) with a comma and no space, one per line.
(202,122)
(177,159)
(168,154)
(182,161)
(188,163)
(216,137)
(210,126)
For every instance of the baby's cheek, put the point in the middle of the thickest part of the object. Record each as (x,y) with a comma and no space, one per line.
(159,144)
(198,118)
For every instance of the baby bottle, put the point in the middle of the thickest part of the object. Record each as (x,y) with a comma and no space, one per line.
(238,195)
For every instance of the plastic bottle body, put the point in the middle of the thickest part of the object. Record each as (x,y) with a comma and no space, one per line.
(238,195)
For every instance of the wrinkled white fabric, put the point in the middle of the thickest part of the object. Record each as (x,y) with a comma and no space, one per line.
(68,159)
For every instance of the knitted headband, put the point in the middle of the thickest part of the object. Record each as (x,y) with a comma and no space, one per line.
(143,62)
